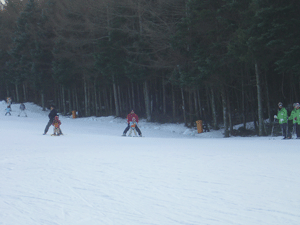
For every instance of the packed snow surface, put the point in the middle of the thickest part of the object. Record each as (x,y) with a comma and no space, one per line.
(172,176)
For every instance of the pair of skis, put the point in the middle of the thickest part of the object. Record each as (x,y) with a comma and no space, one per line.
(132,129)
(132,133)
(289,134)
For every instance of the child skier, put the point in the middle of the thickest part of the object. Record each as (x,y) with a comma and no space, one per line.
(8,109)
(22,109)
(133,126)
(56,123)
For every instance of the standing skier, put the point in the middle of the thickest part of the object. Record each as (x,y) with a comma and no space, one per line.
(130,116)
(52,115)
(293,116)
(297,118)
(282,118)
(8,109)
(22,109)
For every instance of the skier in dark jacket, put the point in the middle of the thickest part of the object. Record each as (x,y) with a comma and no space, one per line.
(52,115)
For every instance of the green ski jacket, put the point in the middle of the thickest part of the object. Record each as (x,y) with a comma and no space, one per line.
(293,115)
(282,116)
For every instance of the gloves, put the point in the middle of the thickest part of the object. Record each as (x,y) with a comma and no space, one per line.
(281,120)
(275,116)
(295,118)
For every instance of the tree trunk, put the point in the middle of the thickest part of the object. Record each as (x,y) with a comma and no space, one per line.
(17,92)
(213,109)
(111,101)
(100,103)
(164,96)
(70,101)
(120,100)
(268,98)
(106,103)
(196,105)
(7,90)
(173,103)
(243,104)
(229,113)
(77,106)
(200,106)
(129,102)
(183,107)
(96,99)
(85,98)
(224,105)
(116,97)
(63,99)
(191,112)
(43,100)
(259,101)
(132,96)
(24,93)
(139,98)
(147,101)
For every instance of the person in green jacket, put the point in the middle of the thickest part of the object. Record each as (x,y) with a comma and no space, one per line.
(293,117)
(297,117)
(282,117)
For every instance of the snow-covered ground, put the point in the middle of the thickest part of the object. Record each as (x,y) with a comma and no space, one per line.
(172,176)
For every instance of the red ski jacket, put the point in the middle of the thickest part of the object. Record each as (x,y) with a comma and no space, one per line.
(130,116)
(56,122)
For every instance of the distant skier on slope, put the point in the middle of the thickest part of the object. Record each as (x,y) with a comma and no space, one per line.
(130,116)
(22,109)
(52,115)
(297,118)
(56,123)
(293,117)
(282,117)
(8,110)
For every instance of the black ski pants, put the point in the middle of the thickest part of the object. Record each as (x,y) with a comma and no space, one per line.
(298,130)
(284,130)
(48,125)
(136,128)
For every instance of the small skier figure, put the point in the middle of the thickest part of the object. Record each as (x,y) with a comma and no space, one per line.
(22,109)
(52,115)
(8,109)
(283,119)
(293,117)
(297,119)
(56,123)
(130,116)
(8,101)
(132,127)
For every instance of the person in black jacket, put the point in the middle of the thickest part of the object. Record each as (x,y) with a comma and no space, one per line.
(52,115)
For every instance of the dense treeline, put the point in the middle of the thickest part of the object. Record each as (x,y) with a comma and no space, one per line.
(222,61)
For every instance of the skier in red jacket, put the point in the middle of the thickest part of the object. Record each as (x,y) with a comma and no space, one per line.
(129,119)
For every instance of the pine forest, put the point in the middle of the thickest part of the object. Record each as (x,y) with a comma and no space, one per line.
(225,62)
